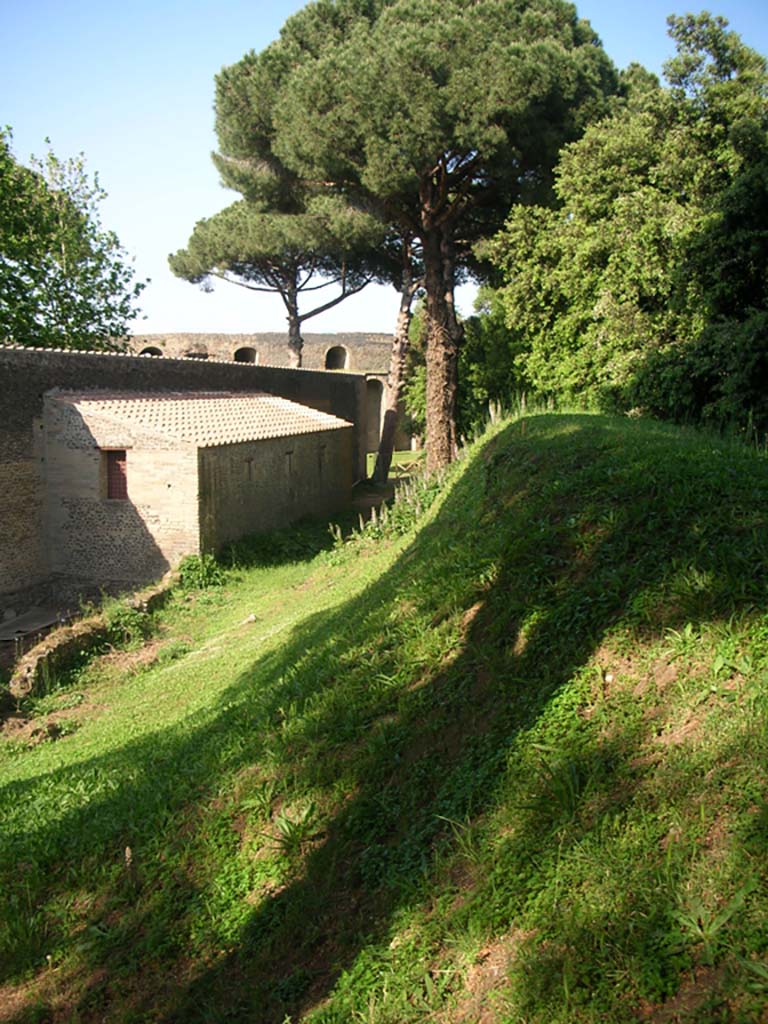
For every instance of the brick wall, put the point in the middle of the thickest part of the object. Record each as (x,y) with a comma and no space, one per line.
(114,541)
(27,374)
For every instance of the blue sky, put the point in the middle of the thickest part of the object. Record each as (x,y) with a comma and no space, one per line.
(131,86)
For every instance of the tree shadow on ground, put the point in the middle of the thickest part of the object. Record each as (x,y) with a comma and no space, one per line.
(400,708)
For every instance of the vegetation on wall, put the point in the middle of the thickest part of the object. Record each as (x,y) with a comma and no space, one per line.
(65,281)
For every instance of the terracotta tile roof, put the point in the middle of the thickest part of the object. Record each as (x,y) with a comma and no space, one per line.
(205,418)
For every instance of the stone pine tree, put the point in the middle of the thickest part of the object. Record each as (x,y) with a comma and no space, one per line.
(287,253)
(439,115)
(285,235)
(404,270)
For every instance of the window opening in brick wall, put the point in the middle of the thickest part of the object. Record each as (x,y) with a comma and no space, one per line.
(117,476)
(337,358)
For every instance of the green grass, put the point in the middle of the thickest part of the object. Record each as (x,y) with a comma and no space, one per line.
(403,463)
(503,756)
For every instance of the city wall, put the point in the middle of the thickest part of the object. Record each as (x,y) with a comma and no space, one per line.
(356,353)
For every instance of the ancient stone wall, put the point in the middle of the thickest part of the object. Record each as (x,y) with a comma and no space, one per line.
(355,353)
(116,542)
(260,485)
(26,375)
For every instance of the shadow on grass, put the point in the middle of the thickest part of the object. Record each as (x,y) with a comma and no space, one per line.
(399,710)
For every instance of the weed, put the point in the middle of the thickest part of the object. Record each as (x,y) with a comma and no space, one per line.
(58,701)
(465,839)
(295,830)
(298,543)
(260,800)
(682,643)
(127,627)
(173,651)
(757,973)
(705,924)
(198,572)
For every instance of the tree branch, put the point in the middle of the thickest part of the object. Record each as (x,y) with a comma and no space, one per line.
(241,284)
(329,305)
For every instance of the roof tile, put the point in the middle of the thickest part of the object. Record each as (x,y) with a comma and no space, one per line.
(205,419)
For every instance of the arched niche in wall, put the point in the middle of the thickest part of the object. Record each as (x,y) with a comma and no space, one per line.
(374,392)
(246,355)
(151,351)
(337,358)
(197,354)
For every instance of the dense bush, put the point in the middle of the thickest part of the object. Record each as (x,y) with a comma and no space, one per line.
(647,287)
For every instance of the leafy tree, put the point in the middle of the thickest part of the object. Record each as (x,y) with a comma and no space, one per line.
(285,235)
(648,286)
(439,116)
(489,376)
(64,280)
(283,252)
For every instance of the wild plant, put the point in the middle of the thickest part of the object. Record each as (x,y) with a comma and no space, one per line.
(295,831)
(198,572)
(262,798)
(704,924)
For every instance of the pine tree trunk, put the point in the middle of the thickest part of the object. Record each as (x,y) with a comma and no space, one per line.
(395,382)
(295,341)
(443,337)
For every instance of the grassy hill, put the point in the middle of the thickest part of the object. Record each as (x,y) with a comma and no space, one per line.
(501,758)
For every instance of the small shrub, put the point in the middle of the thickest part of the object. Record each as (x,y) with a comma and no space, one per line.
(197,572)
(127,627)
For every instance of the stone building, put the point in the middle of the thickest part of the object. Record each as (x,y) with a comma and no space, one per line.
(32,568)
(366,354)
(135,481)
(355,353)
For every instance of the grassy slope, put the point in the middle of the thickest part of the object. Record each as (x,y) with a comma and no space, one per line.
(510,767)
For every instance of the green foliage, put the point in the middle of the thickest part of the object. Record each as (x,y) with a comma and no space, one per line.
(64,281)
(510,762)
(198,572)
(127,626)
(412,500)
(295,830)
(298,542)
(492,764)
(277,250)
(485,376)
(415,383)
(440,115)
(286,235)
(646,288)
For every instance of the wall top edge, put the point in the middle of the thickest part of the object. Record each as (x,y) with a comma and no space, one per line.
(247,367)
